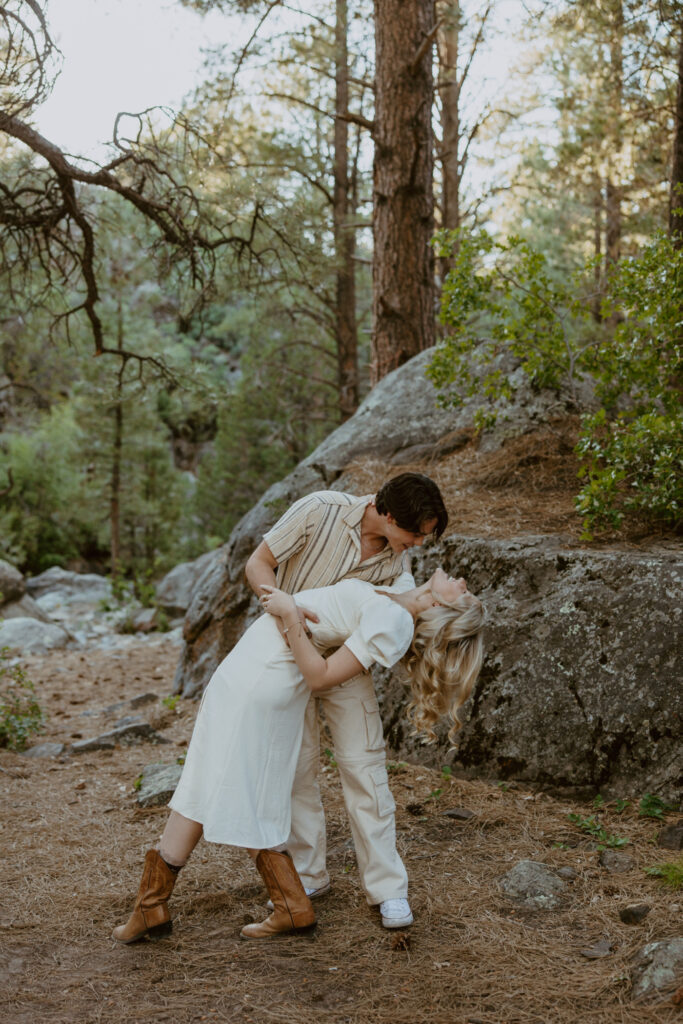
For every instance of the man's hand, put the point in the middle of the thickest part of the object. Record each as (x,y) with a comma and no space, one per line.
(306,613)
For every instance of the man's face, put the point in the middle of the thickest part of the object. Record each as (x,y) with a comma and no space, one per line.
(399,540)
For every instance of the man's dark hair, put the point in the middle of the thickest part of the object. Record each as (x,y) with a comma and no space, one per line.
(412,499)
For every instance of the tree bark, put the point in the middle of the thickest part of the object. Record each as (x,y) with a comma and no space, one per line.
(676,202)
(403,223)
(598,289)
(344,235)
(450,87)
(613,194)
(117,446)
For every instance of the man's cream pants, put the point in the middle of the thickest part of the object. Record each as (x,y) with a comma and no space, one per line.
(352,714)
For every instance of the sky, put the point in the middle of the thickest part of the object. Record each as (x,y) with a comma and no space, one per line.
(121,55)
(134,54)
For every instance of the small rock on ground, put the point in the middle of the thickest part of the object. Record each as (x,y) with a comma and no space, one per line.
(535,885)
(45,750)
(459,813)
(658,968)
(596,952)
(634,913)
(616,861)
(671,837)
(130,732)
(158,783)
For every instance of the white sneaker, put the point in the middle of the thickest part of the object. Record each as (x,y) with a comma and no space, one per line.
(312,894)
(395,913)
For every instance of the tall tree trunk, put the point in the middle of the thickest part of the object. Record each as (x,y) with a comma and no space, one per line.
(403,222)
(613,194)
(676,207)
(449,87)
(598,289)
(344,235)
(115,498)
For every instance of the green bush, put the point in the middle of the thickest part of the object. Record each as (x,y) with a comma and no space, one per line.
(20,713)
(504,299)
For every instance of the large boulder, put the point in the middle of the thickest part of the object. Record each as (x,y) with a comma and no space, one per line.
(24,608)
(579,684)
(12,583)
(174,592)
(29,636)
(87,587)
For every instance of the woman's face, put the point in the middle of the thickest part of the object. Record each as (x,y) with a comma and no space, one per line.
(445,589)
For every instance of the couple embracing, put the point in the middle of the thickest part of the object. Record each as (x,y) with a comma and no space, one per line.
(334,581)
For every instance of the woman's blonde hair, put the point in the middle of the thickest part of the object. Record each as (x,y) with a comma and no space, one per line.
(443,662)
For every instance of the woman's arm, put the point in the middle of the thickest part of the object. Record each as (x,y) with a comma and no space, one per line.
(318,672)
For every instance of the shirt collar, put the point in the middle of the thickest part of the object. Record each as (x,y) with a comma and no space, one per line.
(356,511)
(354,516)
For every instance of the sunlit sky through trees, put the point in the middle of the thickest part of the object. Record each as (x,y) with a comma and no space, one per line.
(124,55)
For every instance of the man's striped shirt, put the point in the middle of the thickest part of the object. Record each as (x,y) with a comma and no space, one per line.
(317,543)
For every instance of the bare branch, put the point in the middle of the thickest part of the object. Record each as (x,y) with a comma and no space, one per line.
(359,120)
(424,46)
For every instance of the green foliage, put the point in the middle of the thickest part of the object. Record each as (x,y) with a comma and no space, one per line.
(503,302)
(670,873)
(652,806)
(592,827)
(20,713)
(42,522)
(171,701)
(330,757)
(274,415)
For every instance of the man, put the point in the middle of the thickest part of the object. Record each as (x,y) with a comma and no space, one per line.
(323,538)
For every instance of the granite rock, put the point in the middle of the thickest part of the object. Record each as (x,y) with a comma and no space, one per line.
(657,969)
(12,583)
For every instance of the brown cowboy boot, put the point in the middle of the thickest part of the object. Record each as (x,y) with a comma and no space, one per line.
(292,909)
(150,918)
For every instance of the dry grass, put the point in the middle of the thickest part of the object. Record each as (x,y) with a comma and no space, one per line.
(73,840)
(528,486)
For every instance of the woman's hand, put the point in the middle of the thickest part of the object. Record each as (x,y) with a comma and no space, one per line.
(276,602)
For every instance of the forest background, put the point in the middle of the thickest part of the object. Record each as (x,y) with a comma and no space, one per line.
(184,320)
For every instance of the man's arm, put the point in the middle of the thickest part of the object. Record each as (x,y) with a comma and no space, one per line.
(260,568)
(260,571)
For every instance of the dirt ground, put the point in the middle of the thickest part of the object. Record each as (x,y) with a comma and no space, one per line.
(73,839)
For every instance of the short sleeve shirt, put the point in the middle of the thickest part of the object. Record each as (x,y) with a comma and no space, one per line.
(317,543)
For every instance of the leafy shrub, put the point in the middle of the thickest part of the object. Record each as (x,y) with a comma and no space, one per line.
(652,806)
(502,299)
(20,713)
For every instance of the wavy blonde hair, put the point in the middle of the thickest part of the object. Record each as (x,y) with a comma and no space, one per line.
(443,662)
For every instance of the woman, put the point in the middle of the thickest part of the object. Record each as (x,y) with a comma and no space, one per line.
(238,774)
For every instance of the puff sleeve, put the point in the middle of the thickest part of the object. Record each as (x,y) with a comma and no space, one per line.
(382,635)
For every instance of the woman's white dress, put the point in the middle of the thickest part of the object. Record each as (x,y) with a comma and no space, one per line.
(238,774)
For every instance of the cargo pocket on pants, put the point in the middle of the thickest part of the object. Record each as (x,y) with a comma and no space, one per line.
(374,735)
(385,802)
